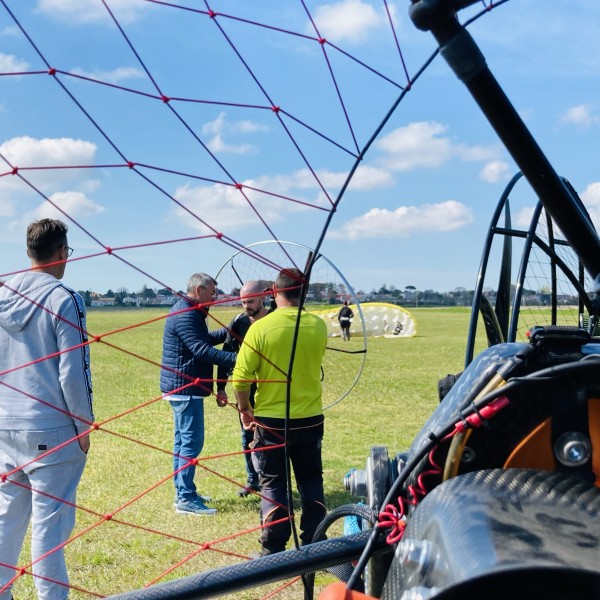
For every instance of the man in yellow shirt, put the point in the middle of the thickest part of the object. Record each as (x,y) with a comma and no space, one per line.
(285,413)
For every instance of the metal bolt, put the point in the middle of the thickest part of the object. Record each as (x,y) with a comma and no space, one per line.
(573,449)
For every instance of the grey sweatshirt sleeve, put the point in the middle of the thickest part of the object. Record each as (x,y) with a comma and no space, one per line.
(74,359)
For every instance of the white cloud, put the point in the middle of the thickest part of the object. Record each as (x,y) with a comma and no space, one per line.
(221,126)
(216,126)
(224,208)
(581,115)
(91,11)
(368,178)
(74,204)
(365,178)
(475,153)
(350,20)
(494,171)
(114,76)
(405,221)
(219,146)
(522,219)
(297,183)
(25,151)
(11,64)
(591,198)
(229,210)
(423,145)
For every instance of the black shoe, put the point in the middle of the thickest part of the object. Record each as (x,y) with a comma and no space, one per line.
(251,486)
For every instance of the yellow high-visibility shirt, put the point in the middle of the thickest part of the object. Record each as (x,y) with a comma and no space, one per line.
(265,358)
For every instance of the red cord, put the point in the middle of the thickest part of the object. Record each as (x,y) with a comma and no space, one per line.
(393,516)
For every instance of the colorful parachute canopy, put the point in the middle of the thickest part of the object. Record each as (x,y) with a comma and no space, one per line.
(379,319)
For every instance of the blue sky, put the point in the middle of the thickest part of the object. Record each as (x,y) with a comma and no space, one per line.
(176,137)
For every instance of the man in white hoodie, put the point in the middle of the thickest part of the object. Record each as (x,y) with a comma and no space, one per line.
(45,411)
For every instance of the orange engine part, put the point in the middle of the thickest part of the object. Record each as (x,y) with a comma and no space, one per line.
(338,591)
(535,450)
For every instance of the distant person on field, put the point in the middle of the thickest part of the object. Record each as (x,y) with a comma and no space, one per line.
(45,403)
(265,358)
(252,299)
(344,316)
(186,378)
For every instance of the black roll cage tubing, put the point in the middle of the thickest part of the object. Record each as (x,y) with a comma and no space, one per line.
(468,63)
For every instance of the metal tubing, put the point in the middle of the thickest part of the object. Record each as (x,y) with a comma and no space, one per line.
(251,573)
(466,60)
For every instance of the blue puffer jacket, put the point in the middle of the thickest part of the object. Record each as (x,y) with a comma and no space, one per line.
(188,351)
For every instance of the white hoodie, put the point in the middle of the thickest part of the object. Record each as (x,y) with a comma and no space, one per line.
(45,379)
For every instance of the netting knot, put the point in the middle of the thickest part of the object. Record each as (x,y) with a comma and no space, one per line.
(97,338)
(219,235)
(212,14)
(275,109)
(109,517)
(51,71)
(165,99)
(322,41)
(3,477)
(15,170)
(95,426)
(130,164)
(239,186)
(108,249)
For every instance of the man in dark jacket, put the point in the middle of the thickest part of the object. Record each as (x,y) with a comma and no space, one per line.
(344,316)
(186,378)
(252,298)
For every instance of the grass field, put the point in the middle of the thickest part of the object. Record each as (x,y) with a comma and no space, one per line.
(128,471)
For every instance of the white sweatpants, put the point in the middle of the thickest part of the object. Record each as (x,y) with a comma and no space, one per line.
(35,491)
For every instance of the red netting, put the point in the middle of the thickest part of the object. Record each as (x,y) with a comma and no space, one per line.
(144,154)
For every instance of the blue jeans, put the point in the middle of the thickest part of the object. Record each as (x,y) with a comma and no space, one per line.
(188,441)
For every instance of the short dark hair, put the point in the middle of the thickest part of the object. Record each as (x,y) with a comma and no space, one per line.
(44,237)
(289,282)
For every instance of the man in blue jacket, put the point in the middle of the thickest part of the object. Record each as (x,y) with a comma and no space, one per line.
(186,378)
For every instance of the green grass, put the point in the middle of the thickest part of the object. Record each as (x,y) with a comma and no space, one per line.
(129,465)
